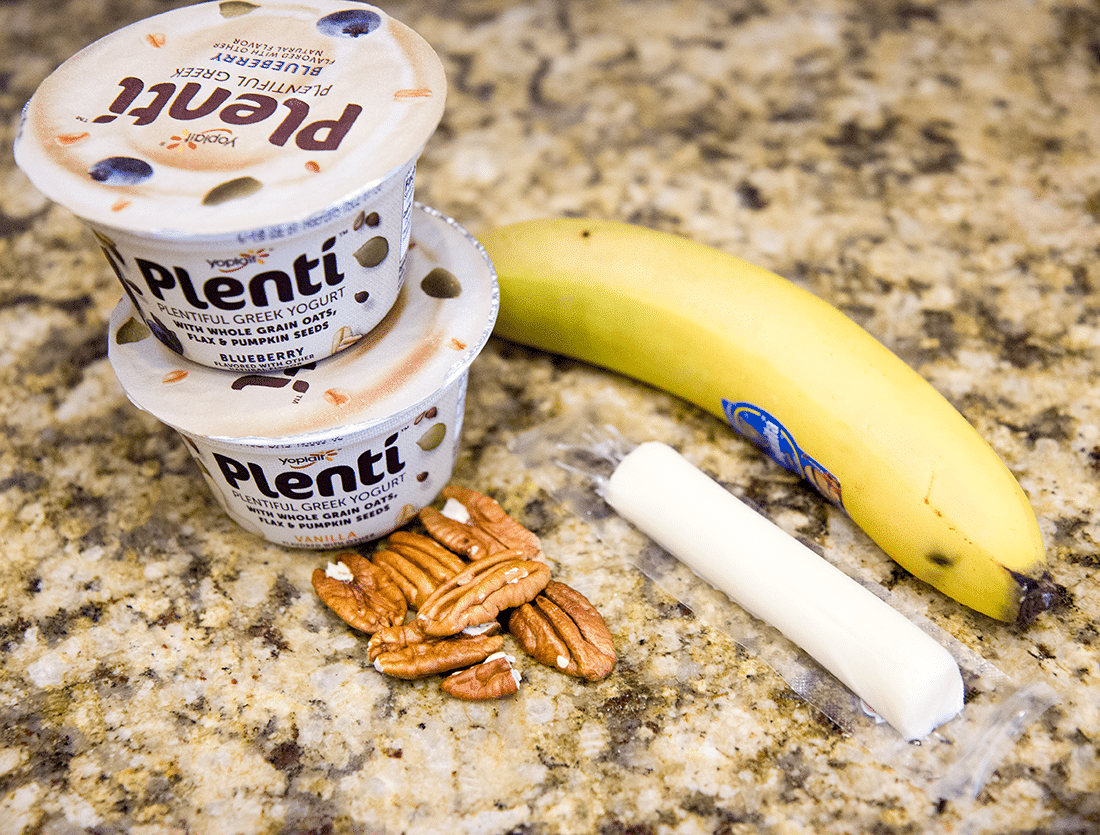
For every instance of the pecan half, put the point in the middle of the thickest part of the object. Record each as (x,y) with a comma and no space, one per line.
(493,678)
(562,629)
(481,591)
(437,655)
(418,564)
(489,528)
(394,638)
(401,635)
(360,592)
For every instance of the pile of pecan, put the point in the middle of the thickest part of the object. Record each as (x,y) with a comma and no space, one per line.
(441,603)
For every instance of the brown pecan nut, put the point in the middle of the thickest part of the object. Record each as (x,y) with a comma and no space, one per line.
(481,591)
(562,629)
(360,592)
(393,638)
(418,564)
(437,655)
(493,678)
(401,635)
(488,530)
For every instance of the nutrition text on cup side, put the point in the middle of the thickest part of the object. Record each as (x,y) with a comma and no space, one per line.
(325,514)
(242,330)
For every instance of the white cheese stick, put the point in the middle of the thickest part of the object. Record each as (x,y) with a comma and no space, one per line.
(906,677)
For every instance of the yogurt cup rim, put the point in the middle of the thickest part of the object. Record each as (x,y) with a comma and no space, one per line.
(346,433)
(52,177)
(184,239)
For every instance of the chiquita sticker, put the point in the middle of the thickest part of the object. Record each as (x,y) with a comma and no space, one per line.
(770,435)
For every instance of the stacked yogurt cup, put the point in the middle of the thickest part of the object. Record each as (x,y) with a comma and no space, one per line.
(247,169)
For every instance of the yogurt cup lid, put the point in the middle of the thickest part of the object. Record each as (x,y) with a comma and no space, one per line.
(232,115)
(443,316)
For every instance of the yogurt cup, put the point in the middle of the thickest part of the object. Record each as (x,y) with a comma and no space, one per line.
(242,163)
(343,450)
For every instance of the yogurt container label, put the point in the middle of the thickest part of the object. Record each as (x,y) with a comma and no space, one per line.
(347,449)
(238,160)
(276,297)
(348,489)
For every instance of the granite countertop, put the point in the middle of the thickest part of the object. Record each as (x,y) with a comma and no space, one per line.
(933,169)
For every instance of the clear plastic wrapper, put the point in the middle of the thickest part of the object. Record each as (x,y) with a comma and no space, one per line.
(572,456)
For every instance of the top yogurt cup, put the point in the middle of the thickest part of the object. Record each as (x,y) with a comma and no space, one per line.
(237,160)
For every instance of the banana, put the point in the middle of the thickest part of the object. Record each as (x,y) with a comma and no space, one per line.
(786,369)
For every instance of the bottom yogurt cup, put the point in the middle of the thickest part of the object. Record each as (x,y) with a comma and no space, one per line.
(343,450)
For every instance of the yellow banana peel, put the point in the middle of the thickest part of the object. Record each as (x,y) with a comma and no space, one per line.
(786,369)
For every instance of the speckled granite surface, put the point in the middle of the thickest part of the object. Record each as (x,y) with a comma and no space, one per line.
(931,168)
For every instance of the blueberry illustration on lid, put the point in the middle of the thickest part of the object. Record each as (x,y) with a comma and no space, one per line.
(120,171)
(349,23)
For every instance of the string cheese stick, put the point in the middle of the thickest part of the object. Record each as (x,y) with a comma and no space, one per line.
(909,679)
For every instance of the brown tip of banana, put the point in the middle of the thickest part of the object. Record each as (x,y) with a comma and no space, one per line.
(1039,595)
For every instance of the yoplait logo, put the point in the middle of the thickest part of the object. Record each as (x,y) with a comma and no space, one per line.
(303,462)
(185,140)
(239,262)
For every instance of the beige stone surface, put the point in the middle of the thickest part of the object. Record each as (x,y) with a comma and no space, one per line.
(933,169)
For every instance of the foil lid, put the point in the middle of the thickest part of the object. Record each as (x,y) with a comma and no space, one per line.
(232,115)
(444,314)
